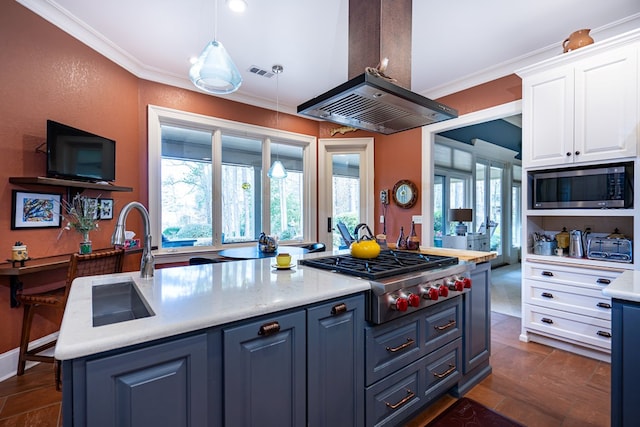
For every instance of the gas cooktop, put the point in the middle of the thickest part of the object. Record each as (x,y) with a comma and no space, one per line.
(389,263)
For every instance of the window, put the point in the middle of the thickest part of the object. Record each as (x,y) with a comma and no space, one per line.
(208,183)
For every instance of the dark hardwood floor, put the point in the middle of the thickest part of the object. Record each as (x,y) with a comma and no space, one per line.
(534,384)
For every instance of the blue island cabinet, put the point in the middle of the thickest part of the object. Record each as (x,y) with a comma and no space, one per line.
(335,363)
(625,371)
(163,384)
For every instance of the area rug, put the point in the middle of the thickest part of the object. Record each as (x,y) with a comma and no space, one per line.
(469,413)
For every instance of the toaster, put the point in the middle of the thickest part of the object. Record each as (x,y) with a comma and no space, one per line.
(618,250)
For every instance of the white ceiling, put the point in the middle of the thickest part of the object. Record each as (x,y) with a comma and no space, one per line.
(456,44)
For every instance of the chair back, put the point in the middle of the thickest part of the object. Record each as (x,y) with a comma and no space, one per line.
(93,264)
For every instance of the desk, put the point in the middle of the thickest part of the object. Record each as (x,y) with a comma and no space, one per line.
(31,266)
(252,252)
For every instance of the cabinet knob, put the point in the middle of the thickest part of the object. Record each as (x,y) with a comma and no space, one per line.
(568,153)
(577,153)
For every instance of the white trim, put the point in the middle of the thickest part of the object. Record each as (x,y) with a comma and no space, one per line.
(428,140)
(9,359)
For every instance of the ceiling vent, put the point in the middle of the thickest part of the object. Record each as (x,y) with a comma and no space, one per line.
(261,72)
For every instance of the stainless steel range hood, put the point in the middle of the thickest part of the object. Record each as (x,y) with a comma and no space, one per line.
(373,103)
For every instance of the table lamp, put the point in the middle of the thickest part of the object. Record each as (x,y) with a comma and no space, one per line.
(461,215)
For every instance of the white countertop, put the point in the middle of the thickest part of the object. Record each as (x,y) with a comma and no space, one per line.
(626,287)
(190,298)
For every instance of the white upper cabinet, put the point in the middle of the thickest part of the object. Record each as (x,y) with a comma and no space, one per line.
(581,108)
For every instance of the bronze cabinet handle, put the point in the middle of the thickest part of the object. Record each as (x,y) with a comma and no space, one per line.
(547,294)
(604,334)
(546,320)
(445,373)
(410,395)
(603,281)
(547,273)
(447,326)
(338,309)
(409,342)
(269,329)
(604,305)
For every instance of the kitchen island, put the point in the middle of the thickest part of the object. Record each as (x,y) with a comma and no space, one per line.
(237,341)
(625,348)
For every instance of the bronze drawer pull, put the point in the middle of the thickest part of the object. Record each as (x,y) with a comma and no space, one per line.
(445,373)
(410,395)
(547,273)
(604,305)
(604,334)
(269,329)
(603,281)
(409,342)
(547,294)
(339,309)
(447,326)
(546,320)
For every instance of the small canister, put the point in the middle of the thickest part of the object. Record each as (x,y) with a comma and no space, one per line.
(563,238)
(19,253)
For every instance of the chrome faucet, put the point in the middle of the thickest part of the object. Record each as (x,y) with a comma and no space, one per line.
(118,238)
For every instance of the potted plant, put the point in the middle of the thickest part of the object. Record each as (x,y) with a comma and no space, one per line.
(81,214)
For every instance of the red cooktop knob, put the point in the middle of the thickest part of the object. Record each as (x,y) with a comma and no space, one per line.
(467,282)
(443,291)
(401,304)
(433,293)
(459,285)
(414,300)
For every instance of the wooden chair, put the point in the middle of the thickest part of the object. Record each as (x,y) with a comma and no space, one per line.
(55,295)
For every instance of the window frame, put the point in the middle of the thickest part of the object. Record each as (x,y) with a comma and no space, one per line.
(159,116)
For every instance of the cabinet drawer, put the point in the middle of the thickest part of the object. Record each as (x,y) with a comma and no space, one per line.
(391,346)
(443,324)
(391,400)
(574,299)
(443,369)
(575,328)
(591,278)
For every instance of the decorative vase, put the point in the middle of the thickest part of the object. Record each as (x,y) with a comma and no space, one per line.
(413,243)
(85,245)
(402,241)
(576,40)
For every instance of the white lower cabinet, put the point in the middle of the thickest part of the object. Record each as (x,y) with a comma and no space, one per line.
(564,306)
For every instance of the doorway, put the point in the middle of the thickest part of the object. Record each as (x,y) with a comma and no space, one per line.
(345,177)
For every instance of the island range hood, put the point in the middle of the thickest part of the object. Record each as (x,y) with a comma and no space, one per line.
(373,103)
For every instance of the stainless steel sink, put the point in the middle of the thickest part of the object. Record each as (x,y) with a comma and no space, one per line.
(118,302)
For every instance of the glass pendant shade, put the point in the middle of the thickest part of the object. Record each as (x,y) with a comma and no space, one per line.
(214,71)
(277,170)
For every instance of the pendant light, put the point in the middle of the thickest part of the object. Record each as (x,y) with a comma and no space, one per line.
(277,170)
(214,70)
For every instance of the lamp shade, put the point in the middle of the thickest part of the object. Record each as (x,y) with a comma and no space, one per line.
(461,215)
(214,71)
(277,170)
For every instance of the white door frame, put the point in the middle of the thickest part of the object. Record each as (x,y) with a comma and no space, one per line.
(428,141)
(327,147)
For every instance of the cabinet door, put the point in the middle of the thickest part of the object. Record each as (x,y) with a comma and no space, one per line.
(160,385)
(477,318)
(547,114)
(335,360)
(606,99)
(265,372)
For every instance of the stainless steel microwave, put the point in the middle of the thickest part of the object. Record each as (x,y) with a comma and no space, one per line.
(608,186)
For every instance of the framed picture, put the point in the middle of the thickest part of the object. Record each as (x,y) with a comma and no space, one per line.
(106,208)
(35,210)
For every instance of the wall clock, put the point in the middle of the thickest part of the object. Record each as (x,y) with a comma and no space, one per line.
(405,194)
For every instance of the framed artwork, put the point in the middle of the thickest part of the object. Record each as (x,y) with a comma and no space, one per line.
(106,208)
(35,210)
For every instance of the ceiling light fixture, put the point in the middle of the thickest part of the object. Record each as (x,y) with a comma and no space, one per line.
(237,5)
(277,170)
(214,70)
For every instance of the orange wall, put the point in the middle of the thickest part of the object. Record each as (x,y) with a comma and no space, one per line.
(47,74)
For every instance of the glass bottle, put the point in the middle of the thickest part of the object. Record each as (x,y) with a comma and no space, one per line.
(413,243)
(402,241)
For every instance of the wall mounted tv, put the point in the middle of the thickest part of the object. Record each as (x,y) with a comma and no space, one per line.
(76,154)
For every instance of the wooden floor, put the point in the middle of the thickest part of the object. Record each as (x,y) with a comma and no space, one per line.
(531,383)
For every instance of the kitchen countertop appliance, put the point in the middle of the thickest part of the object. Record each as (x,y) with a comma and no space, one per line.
(401,282)
(608,249)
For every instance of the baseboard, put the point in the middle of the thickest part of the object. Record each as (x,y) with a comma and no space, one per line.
(9,360)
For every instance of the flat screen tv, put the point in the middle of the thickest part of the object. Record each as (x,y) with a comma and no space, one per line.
(76,154)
